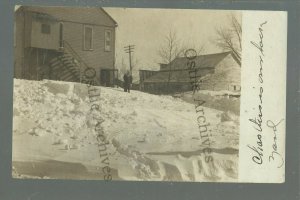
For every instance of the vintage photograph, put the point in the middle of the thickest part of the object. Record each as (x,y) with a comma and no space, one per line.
(138,94)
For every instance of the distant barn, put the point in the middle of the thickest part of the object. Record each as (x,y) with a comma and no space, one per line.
(220,71)
(59,43)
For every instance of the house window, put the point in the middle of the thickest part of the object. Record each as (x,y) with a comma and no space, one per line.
(61,35)
(107,45)
(88,38)
(45,29)
(236,88)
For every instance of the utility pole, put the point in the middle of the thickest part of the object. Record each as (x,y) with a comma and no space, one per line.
(129,49)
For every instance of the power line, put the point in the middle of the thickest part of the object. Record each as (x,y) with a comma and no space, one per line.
(129,49)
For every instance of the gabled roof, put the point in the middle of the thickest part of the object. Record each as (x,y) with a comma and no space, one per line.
(179,69)
(202,61)
(108,15)
(85,15)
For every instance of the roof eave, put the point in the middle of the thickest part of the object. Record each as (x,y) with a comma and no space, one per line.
(115,23)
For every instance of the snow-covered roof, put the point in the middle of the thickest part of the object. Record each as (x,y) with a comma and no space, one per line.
(201,61)
(180,69)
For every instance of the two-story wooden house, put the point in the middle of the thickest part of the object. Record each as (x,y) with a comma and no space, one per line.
(59,43)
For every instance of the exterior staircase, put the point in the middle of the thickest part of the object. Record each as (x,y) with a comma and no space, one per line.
(68,65)
(65,67)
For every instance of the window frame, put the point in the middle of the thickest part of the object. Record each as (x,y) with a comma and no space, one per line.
(43,29)
(105,40)
(92,38)
(61,35)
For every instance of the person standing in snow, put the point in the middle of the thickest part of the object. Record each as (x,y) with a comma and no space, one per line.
(127,82)
(125,78)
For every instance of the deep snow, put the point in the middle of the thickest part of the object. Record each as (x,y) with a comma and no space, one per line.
(150,137)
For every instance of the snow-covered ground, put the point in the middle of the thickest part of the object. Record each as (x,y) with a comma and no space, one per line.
(150,137)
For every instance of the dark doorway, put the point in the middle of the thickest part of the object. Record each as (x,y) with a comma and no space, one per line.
(107,77)
(104,77)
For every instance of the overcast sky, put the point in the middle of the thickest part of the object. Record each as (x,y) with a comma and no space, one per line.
(146,29)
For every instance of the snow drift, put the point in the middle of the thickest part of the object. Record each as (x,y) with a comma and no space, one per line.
(150,137)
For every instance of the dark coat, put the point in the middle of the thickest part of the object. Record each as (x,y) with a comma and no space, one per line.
(130,79)
(127,79)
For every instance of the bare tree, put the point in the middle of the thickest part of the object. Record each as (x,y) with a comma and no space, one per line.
(229,38)
(170,49)
(237,29)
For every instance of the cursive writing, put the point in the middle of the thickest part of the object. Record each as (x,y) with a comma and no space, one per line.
(258,120)
(275,155)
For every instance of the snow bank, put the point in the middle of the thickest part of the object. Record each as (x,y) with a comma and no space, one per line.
(52,120)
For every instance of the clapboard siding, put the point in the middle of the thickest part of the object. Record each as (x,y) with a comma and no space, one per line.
(84,15)
(31,41)
(28,29)
(45,41)
(18,44)
(96,58)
